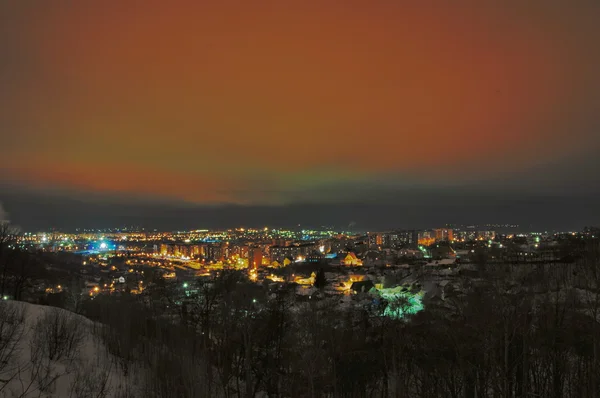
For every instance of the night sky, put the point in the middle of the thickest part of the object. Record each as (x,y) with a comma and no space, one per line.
(217,114)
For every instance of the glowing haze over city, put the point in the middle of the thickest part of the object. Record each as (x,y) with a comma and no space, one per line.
(232,113)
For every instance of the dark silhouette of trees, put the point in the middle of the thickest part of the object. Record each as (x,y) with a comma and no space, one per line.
(492,337)
(6,236)
(12,328)
(320,279)
(526,330)
(57,334)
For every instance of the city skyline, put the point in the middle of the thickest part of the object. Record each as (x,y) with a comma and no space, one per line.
(222,114)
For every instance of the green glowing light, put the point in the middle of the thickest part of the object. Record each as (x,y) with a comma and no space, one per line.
(401,303)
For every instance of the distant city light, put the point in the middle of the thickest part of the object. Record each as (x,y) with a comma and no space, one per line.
(103,245)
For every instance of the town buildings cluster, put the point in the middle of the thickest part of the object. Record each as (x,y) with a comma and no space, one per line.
(114,260)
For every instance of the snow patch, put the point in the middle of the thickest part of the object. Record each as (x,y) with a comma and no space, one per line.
(32,369)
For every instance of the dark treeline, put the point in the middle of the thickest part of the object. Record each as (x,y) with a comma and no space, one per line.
(496,335)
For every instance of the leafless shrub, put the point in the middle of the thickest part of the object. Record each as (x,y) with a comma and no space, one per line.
(119,346)
(174,375)
(57,334)
(12,318)
(90,382)
(74,298)
(42,373)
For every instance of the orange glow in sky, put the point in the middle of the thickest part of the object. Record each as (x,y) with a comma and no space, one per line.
(244,102)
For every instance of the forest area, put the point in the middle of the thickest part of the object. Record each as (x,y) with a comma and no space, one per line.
(497,336)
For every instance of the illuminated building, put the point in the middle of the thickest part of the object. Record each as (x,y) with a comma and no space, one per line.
(341,245)
(315,257)
(306,281)
(164,249)
(275,278)
(198,250)
(350,260)
(279,253)
(425,235)
(391,240)
(465,236)
(485,235)
(443,234)
(426,241)
(400,238)
(410,253)
(181,250)
(216,252)
(255,256)
(375,239)
(241,250)
(282,242)
(409,237)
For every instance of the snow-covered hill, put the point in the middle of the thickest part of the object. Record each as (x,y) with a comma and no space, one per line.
(50,352)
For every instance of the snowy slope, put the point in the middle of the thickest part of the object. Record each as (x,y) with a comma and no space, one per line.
(26,366)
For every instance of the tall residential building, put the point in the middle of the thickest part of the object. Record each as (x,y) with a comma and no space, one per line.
(443,234)
(408,238)
(375,239)
(255,256)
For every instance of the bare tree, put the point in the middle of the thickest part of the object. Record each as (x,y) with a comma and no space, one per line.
(74,297)
(12,322)
(7,234)
(90,381)
(57,334)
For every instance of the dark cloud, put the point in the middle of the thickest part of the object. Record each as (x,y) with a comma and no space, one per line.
(417,209)
(560,194)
